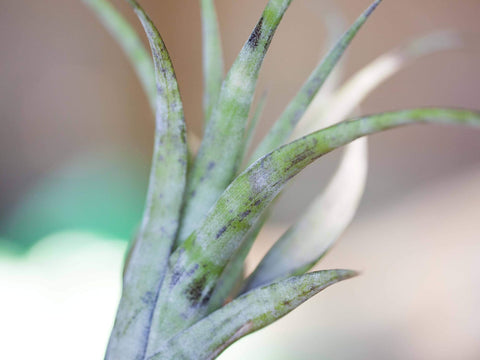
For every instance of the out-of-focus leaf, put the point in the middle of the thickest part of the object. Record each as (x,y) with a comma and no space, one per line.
(130,43)
(307,241)
(284,126)
(148,261)
(330,213)
(360,85)
(195,266)
(212,57)
(136,52)
(250,312)
(335,24)
(222,147)
(252,126)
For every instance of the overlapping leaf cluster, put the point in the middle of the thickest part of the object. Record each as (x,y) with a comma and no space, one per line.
(201,220)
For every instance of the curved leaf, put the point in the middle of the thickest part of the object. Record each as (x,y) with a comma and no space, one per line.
(212,57)
(283,128)
(232,277)
(250,312)
(130,43)
(195,267)
(307,241)
(252,125)
(149,256)
(360,85)
(222,147)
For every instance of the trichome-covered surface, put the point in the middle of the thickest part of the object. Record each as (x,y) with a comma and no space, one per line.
(201,220)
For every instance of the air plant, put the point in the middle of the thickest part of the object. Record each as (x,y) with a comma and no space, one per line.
(184,291)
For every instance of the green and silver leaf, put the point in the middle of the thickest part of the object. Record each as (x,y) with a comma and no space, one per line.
(253,311)
(149,258)
(195,267)
(228,284)
(221,150)
(284,126)
(306,242)
(300,248)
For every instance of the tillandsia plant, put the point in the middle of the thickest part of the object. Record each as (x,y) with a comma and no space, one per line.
(185,295)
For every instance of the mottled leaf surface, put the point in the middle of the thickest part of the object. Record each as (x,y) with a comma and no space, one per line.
(327,217)
(195,267)
(228,284)
(284,126)
(222,147)
(149,257)
(246,314)
(331,212)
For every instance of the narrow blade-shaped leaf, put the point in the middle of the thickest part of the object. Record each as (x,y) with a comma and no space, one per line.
(308,240)
(252,125)
(335,25)
(360,85)
(330,213)
(222,147)
(195,266)
(284,126)
(212,57)
(130,43)
(250,312)
(227,286)
(149,257)
(231,282)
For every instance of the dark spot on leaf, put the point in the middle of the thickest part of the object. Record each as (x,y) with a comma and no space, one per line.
(194,292)
(258,202)
(175,277)
(245,214)
(211,165)
(148,298)
(255,36)
(221,231)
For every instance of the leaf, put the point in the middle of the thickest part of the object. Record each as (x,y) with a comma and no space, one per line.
(306,242)
(250,312)
(149,257)
(360,85)
(212,57)
(130,43)
(303,245)
(231,281)
(252,126)
(284,126)
(195,267)
(222,147)
(335,24)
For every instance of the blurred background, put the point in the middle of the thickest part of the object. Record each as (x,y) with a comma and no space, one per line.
(75,147)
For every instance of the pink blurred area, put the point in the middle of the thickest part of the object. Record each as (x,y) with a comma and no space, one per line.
(66,89)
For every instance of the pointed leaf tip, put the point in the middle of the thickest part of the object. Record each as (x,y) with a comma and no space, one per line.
(253,311)
(284,126)
(160,221)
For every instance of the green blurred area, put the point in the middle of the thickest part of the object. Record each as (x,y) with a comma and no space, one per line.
(97,193)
